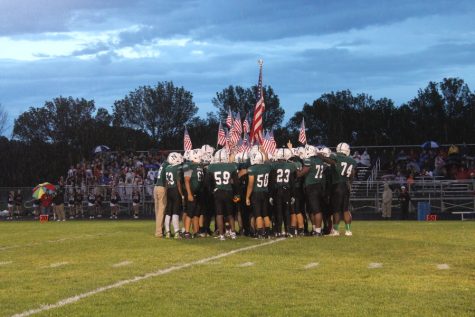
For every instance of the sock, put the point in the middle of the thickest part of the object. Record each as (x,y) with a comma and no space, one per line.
(300,231)
(268,231)
(176,223)
(314,227)
(318,230)
(348,227)
(292,230)
(335,227)
(167,223)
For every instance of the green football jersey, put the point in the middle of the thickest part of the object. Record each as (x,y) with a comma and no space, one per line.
(195,172)
(316,173)
(299,180)
(283,173)
(221,173)
(261,176)
(343,168)
(161,175)
(173,174)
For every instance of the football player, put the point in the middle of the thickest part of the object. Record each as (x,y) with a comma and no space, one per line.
(314,182)
(343,172)
(298,218)
(282,181)
(257,195)
(193,176)
(160,199)
(174,194)
(242,161)
(224,175)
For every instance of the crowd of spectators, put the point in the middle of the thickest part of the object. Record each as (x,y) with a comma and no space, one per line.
(441,163)
(125,176)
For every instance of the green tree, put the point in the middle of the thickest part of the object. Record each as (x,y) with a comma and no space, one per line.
(243,101)
(160,111)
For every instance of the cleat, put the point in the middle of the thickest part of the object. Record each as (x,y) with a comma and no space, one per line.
(136,217)
(177,236)
(202,235)
(233,235)
(222,237)
(187,236)
(167,235)
(348,233)
(334,233)
(318,234)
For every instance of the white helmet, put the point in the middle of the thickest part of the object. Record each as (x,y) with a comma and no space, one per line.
(256,157)
(309,151)
(221,156)
(254,148)
(186,155)
(207,149)
(195,155)
(343,148)
(283,154)
(175,158)
(301,152)
(207,158)
(241,157)
(325,151)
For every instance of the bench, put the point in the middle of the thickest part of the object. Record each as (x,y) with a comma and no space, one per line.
(462,213)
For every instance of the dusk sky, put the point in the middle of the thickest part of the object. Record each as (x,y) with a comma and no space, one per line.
(101,50)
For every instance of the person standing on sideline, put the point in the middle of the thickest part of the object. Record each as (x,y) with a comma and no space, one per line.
(387,201)
(160,199)
(58,204)
(404,199)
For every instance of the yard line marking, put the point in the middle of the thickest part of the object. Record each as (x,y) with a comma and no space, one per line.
(443,266)
(5,262)
(74,299)
(375,265)
(123,263)
(31,244)
(311,265)
(58,264)
(246,264)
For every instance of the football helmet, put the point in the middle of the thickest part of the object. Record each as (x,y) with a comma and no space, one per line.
(206,158)
(186,155)
(309,151)
(325,151)
(207,149)
(175,158)
(343,148)
(241,157)
(221,156)
(283,154)
(195,155)
(256,157)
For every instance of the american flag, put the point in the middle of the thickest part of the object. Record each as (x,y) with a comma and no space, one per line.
(302,136)
(245,124)
(229,119)
(237,124)
(244,146)
(187,141)
(268,143)
(221,135)
(256,129)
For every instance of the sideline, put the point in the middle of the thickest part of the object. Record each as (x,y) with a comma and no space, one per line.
(33,244)
(74,299)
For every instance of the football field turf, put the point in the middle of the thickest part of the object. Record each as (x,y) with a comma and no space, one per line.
(106,268)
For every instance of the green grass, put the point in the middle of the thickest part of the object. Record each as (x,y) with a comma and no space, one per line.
(408,284)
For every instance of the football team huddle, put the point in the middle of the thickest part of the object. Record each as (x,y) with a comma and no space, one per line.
(266,195)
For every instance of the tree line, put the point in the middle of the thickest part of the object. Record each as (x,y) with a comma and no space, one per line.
(64,131)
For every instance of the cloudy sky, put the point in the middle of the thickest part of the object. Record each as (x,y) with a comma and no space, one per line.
(101,50)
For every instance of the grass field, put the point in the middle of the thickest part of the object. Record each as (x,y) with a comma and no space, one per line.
(385,269)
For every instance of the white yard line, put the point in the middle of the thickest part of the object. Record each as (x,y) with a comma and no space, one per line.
(5,263)
(58,264)
(375,265)
(74,299)
(246,264)
(31,244)
(123,263)
(311,265)
(443,266)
